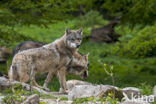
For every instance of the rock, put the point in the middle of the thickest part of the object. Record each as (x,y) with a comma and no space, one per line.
(55,101)
(154,90)
(1,97)
(130,102)
(57,94)
(4,83)
(131,91)
(33,99)
(72,83)
(81,91)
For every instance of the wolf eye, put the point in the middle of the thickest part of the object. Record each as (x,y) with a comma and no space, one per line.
(79,38)
(88,64)
(72,39)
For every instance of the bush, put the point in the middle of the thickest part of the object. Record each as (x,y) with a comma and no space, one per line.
(90,19)
(141,45)
(9,38)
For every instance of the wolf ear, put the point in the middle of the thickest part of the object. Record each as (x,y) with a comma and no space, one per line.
(68,31)
(79,31)
(86,56)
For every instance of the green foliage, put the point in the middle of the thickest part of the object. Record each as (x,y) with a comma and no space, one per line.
(43,103)
(126,32)
(15,98)
(146,89)
(80,100)
(30,12)
(47,96)
(109,71)
(109,99)
(33,12)
(8,38)
(90,19)
(142,45)
(132,11)
(85,100)
(12,99)
(64,98)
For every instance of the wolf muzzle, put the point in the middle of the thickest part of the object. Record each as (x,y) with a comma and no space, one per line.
(77,46)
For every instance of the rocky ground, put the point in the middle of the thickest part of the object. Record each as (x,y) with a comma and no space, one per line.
(80,90)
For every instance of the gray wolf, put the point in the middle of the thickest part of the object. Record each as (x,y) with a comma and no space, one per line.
(51,58)
(75,66)
(27,45)
(79,65)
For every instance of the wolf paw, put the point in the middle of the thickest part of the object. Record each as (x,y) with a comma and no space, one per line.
(45,88)
(63,91)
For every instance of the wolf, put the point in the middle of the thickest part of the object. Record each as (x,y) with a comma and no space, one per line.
(51,58)
(27,45)
(75,66)
(79,65)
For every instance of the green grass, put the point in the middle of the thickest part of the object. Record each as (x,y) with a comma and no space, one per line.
(127,71)
(49,34)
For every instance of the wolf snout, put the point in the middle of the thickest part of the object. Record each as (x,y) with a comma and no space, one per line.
(77,46)
(84,75)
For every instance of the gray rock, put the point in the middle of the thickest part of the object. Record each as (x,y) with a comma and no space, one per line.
(154,90)
(33,99)
(4,83)
(55,101)
(1,97)
(131,92)
(81,91)
(57,94)
(72,83)
(130,102)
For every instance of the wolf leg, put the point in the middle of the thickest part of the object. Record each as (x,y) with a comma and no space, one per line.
(34,83)
(50,75)
(24,77)
(62,80)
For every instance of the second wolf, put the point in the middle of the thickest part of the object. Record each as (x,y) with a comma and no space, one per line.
(27,45)
(51,58)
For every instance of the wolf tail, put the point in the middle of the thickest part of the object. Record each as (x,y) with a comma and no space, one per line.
(13,73)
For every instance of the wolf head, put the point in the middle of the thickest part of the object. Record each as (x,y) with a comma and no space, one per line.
(79,65)
(73,38)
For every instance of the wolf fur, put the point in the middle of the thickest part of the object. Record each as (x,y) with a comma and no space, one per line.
(27,45)
(50,58)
